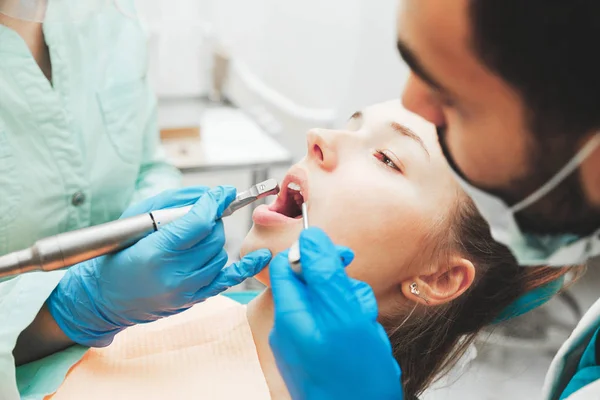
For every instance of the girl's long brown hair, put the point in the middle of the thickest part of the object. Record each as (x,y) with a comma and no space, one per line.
(433,340)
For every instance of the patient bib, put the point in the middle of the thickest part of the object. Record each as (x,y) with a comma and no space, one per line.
(206,352)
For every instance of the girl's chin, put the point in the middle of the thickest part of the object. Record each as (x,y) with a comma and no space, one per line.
(274,240)
(263,277)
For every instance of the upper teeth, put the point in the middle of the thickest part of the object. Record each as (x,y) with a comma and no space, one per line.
(294,186)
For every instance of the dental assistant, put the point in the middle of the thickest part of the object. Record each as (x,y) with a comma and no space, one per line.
(79,145)
(514,89)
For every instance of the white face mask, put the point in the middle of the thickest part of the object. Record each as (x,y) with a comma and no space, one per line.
(530,249)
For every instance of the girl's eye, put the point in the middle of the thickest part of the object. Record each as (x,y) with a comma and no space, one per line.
(385,159)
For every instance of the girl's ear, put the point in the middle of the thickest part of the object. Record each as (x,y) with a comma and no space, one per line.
(443,285)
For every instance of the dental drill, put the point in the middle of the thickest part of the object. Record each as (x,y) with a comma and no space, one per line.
(70,248)
(294,253)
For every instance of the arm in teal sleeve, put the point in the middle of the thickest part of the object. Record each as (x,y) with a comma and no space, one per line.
(156,174)
(21,299)
(40,339)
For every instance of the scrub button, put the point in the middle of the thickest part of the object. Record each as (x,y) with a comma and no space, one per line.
(78,199)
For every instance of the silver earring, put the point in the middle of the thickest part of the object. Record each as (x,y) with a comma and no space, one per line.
(415,290)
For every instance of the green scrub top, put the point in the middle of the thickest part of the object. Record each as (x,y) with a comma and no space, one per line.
(73,153)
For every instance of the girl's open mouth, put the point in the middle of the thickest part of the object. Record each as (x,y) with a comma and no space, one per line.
(287,208)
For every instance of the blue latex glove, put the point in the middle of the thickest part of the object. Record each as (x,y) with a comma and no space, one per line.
(164,273)
(326,339)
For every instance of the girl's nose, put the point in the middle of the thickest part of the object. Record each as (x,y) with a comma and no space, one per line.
(322,148)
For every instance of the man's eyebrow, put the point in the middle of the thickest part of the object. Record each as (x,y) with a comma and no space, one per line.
(415,65)
(407,132)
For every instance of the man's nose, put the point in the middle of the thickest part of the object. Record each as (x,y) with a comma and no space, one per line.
(418,98)
(322,148)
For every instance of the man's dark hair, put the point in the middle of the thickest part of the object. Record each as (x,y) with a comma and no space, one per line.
(548,50)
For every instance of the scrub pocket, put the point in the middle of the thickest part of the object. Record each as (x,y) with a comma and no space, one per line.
(124,110)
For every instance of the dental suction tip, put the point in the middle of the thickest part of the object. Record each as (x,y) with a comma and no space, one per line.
(294,253)
(305,216)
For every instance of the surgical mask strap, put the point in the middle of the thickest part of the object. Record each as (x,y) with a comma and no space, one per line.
(571,166)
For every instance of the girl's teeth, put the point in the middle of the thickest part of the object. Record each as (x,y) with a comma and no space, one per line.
(294,186)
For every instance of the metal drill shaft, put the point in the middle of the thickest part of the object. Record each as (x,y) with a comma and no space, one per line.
(70,248)
(258,191)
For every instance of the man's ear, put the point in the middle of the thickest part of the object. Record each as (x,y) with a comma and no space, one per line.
(443,285)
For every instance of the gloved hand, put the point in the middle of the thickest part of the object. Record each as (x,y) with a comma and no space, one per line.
(326,339)
(164,273)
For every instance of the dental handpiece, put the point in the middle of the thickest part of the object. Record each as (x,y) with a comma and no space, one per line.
(70,248)
(294,253)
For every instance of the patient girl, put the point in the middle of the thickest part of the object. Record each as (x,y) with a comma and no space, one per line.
(379,186)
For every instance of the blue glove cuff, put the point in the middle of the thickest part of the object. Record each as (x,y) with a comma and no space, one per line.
(78,317)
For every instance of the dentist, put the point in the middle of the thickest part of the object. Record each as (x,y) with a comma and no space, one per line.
(514,89)
(79,145)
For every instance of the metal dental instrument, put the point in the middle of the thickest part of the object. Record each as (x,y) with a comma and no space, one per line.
(294,254)
(70,248)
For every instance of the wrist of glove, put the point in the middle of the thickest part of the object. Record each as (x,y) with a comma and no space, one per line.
(326,338)
(73,307)
(162,274)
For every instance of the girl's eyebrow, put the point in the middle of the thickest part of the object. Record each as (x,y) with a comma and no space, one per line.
(408,133)
(400,129)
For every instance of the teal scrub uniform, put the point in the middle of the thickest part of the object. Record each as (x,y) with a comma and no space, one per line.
(588,370)
(574,373)
(74,152)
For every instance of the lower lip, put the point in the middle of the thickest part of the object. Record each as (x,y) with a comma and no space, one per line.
(265,217)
